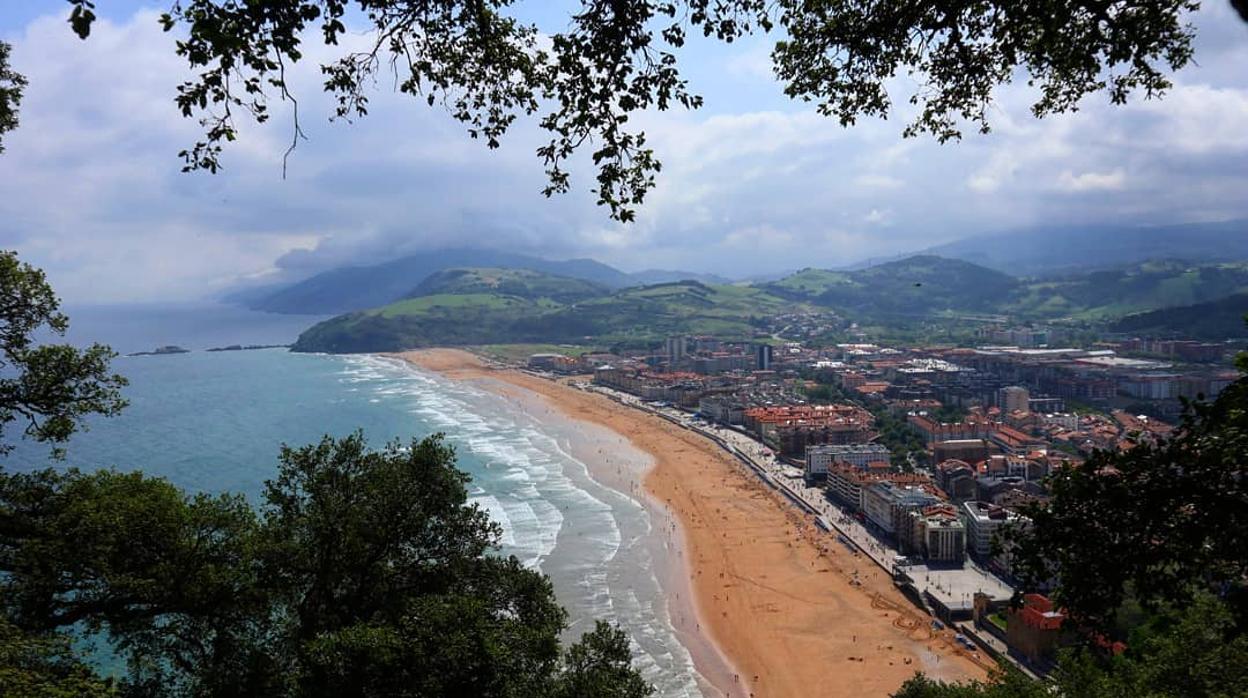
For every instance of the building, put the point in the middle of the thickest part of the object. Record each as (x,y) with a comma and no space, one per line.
(819,458)
(764,355)
(1061,420)
(1014,398)
(552,362)
(888,505)
(984,522)
(931,430)
(676,348)
(789,429)
(937,533)
(1035,630)
(1015,442)
(957,479)
(968,450)
(998,489)
(722,409)
(846,482)
(1044,404)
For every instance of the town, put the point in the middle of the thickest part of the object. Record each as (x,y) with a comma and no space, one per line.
(920,457)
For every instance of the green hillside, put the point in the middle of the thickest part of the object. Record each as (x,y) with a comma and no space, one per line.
(809,283)
(910,287)
(492,306)
(1213,320)
(927,285)
(641,314)
(1104,295)
(684,307)
(521,283)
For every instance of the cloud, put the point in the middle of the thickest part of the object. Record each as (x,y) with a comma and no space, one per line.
(1114,180)
(90,187)
(877,217)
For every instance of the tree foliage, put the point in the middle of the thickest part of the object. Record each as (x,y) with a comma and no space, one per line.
(11,85)
(619,57)
(1006,684)
(1157,523)
(45,666)
(841,53)
(1199,652)
(48,388)
(362,573)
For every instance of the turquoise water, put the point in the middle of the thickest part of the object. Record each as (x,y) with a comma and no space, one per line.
(214,422)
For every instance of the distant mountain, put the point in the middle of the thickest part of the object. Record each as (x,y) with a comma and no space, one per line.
(521,283)
(360,287)
(649,277)
(1215,320)
(478,305)
(913,286)
(927,284)
(1046,250)
(1112,293)
(633,315)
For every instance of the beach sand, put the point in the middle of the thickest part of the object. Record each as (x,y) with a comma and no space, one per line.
(780,608)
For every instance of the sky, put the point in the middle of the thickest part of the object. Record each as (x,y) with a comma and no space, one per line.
(753,183)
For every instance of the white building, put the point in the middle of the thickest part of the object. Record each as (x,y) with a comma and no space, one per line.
(1065,420)
(984,522)
(819,458)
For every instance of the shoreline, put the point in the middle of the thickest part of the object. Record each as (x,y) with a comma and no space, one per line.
(777,610)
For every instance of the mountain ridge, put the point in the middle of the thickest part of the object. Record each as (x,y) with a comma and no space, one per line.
(637,314)
(1044,251)
(487,306)
(363,286)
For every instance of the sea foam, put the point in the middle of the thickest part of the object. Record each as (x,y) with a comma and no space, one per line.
(588,538)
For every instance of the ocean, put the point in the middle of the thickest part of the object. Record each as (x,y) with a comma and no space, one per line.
(214,421)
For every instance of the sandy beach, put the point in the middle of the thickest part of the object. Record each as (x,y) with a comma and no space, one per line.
(779,609)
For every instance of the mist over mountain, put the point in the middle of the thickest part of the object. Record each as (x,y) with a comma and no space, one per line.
(369,286)
(1061,252)
(1043,251)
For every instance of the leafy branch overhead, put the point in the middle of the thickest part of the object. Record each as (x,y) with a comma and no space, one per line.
(618,57)
(48,389)
(11,85)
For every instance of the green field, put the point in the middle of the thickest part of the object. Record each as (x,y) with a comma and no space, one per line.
(638,316)
(921,299)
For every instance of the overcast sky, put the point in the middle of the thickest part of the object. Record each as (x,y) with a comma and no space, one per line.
(90,187)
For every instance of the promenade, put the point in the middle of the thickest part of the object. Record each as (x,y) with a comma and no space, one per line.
(953,588)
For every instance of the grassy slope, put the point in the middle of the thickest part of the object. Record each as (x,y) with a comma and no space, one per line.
(643,314)
(1214,320)
(911,287)
(505,306)
(523,283)
(926,285)
(1110,294)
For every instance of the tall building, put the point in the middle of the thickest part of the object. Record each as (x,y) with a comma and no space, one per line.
(764,354)
(676,348)
(1012,398)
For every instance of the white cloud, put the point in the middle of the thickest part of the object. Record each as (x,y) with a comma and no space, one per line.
(90,188)
(878,217)
(1114,180)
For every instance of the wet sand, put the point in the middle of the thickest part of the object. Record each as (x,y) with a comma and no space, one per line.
(793,612)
